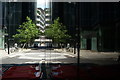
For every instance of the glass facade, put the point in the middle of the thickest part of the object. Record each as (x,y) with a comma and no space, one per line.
(1,27)
(14,14)
(100,19)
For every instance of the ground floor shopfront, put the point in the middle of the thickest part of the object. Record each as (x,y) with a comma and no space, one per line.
(103,37)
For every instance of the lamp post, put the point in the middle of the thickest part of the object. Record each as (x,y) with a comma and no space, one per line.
(5,34)
(78,38)
(8,30)
(8,44)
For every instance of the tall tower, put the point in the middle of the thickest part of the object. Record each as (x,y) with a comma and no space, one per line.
(40,20)
(13,14)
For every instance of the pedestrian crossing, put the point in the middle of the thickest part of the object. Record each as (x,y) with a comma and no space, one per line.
(42,55)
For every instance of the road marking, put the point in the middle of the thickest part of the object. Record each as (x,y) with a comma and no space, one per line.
(14,55)
(42,56)
(32,62)
(69,55)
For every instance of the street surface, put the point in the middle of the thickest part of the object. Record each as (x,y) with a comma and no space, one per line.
(89,60)
(36,55)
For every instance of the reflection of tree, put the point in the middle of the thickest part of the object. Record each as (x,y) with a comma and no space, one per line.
(57,32)
(27,32)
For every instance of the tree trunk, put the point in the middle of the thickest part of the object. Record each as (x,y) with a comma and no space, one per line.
(74,48)
(23,45)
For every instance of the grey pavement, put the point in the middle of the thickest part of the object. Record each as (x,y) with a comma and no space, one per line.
(93,55)
(4,53)
(60,56)
(99,55)
(100,58)
(35,56)
(83,53)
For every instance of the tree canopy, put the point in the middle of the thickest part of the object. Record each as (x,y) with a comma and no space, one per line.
(57,32)
(27,32)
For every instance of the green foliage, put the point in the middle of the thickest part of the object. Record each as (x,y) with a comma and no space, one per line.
(57,31)
(27,32)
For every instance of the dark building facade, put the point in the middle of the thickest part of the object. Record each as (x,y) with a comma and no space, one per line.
(66,12)
(14,14)
(99,23)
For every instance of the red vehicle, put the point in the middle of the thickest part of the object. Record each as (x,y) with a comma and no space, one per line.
(70,72)
(27,72)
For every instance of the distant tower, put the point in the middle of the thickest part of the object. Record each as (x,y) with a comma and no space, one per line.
(47,17)
(40,19)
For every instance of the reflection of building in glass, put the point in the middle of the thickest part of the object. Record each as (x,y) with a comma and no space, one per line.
(99,23)
(47,17)
(43,42)
(43,21)
(14,14)
(43,18)
(1,30)
(40,19)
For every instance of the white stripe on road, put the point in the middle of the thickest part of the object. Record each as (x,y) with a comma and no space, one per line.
(70,55)
(40,56)
(32,62)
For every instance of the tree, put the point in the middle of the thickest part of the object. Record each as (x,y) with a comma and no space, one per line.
(57,32)
(27,32)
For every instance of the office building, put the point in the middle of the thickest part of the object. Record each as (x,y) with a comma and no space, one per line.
(40,20)
(13,15)
(47,17)
(98,23)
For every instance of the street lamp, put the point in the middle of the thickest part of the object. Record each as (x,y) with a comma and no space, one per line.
(5,31)
(9,16)
(4,28)
(77,16)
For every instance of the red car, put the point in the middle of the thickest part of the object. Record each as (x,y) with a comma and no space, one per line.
(28,72)
(70,72)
